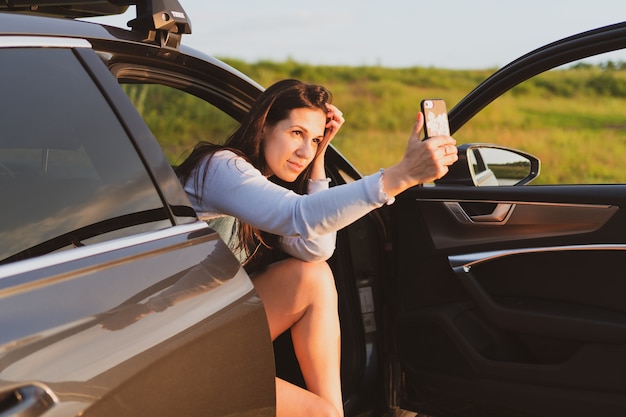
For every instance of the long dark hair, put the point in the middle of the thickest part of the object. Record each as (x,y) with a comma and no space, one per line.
(272,106)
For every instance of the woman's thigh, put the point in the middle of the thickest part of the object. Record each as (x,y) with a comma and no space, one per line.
(288,288)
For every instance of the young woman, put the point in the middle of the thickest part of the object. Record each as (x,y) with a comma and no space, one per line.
(283,235)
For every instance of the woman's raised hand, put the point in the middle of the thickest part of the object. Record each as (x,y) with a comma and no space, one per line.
(424,161)
(334,121)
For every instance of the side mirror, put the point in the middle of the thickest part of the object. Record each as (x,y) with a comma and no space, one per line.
(482,164)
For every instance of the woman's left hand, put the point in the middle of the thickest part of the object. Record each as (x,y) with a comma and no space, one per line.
(335,120)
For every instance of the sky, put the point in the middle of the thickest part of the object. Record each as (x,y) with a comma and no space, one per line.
(453,34)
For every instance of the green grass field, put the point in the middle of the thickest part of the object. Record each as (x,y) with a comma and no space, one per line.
(573,119)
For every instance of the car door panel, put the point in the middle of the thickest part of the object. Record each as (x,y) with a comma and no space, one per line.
(527,309)
(509,221)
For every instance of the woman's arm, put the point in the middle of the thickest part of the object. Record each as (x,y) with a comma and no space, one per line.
(234,187)
(318,249)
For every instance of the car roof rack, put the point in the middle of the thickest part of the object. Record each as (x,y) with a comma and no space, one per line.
(165,21)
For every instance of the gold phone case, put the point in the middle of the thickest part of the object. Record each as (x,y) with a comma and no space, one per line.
(435,118)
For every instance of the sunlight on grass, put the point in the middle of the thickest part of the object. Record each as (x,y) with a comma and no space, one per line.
(573,120)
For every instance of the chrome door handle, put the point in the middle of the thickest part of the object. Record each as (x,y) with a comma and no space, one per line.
(499,215)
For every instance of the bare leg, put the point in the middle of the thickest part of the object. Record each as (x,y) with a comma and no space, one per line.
(302,296)
(293,401)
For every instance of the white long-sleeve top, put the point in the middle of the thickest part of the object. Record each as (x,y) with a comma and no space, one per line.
(307,223)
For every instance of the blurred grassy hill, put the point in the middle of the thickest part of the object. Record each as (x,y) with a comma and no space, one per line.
(576,110)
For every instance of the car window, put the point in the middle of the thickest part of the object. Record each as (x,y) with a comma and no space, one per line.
(69,174)
(178,119)
(571,118)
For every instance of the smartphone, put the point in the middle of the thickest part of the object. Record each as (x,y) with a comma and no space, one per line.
(435,117)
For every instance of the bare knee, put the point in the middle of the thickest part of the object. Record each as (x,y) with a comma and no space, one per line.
(318,279)
(294,401)
(326,410)
(319,408)
(291,288)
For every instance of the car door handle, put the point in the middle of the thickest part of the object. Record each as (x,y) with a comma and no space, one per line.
(25,401)
(499,215)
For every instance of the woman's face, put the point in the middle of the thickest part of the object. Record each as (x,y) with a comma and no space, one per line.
(291,144)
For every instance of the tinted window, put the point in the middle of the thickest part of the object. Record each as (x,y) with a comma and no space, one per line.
(69,175)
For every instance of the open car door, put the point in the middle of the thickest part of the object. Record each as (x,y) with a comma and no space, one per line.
(522,316)
(510,300)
